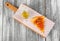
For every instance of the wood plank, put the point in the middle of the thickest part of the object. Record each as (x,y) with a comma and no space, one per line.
(36,5)
(0,26)
(11,28)
(19,29)
(42,10)
(7,22)
(1,5)
(53,13)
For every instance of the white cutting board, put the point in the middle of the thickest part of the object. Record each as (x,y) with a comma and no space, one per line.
(48,25)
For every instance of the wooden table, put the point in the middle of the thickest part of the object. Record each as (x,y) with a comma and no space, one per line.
(11,30)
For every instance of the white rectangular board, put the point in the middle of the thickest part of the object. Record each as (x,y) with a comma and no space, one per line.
(48,25)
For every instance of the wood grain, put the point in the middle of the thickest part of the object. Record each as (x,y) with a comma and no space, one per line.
(14,31)
(1,20)
(53,12)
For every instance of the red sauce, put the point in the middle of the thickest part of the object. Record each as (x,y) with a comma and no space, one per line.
(39,22)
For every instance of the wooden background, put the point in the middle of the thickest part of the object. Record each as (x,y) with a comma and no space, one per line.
(11,30)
